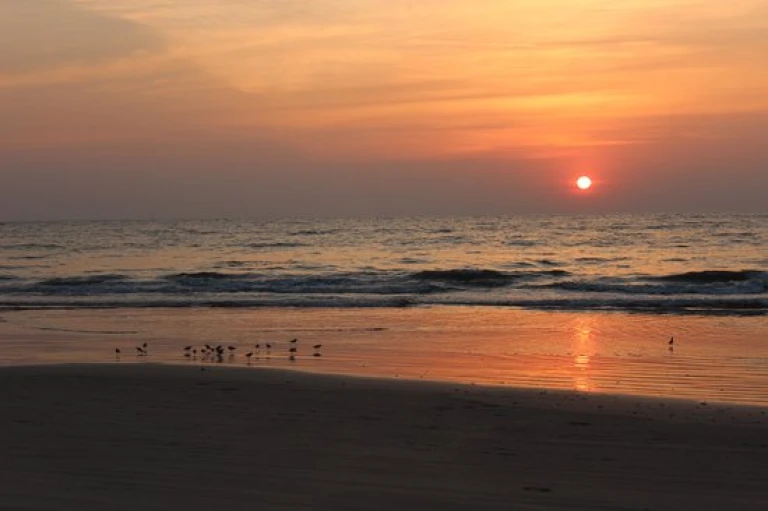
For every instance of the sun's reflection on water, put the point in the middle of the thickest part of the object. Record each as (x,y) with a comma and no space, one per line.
(583,349)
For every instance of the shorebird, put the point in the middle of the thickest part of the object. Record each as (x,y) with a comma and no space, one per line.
(317,350)
(294,341)
(187,348)
(117,353)
(671,341)
(248,356)
(231,348)
(317,346)
(141,352)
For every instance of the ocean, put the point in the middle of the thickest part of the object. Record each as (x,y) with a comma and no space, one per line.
(572,302)
(681,264)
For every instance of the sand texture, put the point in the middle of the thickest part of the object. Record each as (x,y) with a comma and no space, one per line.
(150,437)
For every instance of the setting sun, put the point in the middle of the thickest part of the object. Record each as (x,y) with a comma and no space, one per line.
(584,183)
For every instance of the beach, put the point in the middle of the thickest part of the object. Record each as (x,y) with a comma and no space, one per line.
(147,436)
(714,359)
(583,363)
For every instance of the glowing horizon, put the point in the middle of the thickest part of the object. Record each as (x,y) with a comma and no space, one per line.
(538,88)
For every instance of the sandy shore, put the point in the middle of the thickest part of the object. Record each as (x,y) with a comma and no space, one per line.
(146,437)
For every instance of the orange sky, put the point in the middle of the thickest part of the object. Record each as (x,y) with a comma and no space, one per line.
(234,107)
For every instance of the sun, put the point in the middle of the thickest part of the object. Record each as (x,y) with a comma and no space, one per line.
(584,183)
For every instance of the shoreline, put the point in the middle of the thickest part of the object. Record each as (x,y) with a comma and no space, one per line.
(714,359)
(142,436)
(252,374)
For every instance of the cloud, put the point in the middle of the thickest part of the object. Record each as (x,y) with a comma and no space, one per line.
(43,34)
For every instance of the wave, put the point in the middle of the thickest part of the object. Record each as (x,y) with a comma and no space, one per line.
(466,276)
(708,306)
(535,287)
(750,287)
(274,244)
(372,281)
(314,232)
(81,281)
(31,246)
(713,276)
(202,275)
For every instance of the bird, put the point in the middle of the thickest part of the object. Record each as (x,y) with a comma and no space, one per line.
(257,346)
(117,351)
(292,350)
(317,346)
(145,345)
(294,341)
(141,352)
(671,341)
(248,356)
(269,346)
(231,348)
(187,348)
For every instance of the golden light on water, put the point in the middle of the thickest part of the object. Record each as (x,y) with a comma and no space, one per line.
(584,348)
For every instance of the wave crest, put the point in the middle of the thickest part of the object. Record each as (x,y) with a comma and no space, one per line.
(711,276)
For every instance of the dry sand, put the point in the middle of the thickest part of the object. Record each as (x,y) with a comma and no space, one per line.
(146,437)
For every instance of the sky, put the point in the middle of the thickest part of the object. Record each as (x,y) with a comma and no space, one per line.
(265,108)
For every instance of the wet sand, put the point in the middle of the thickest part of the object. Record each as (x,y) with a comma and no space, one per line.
(146,437)
(715,359)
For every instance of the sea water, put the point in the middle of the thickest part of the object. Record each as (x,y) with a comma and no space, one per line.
(702,264)
(586,303)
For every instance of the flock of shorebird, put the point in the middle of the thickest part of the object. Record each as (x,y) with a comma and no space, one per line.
(209,353)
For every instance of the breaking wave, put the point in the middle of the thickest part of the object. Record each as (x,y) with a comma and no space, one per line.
(703,292)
